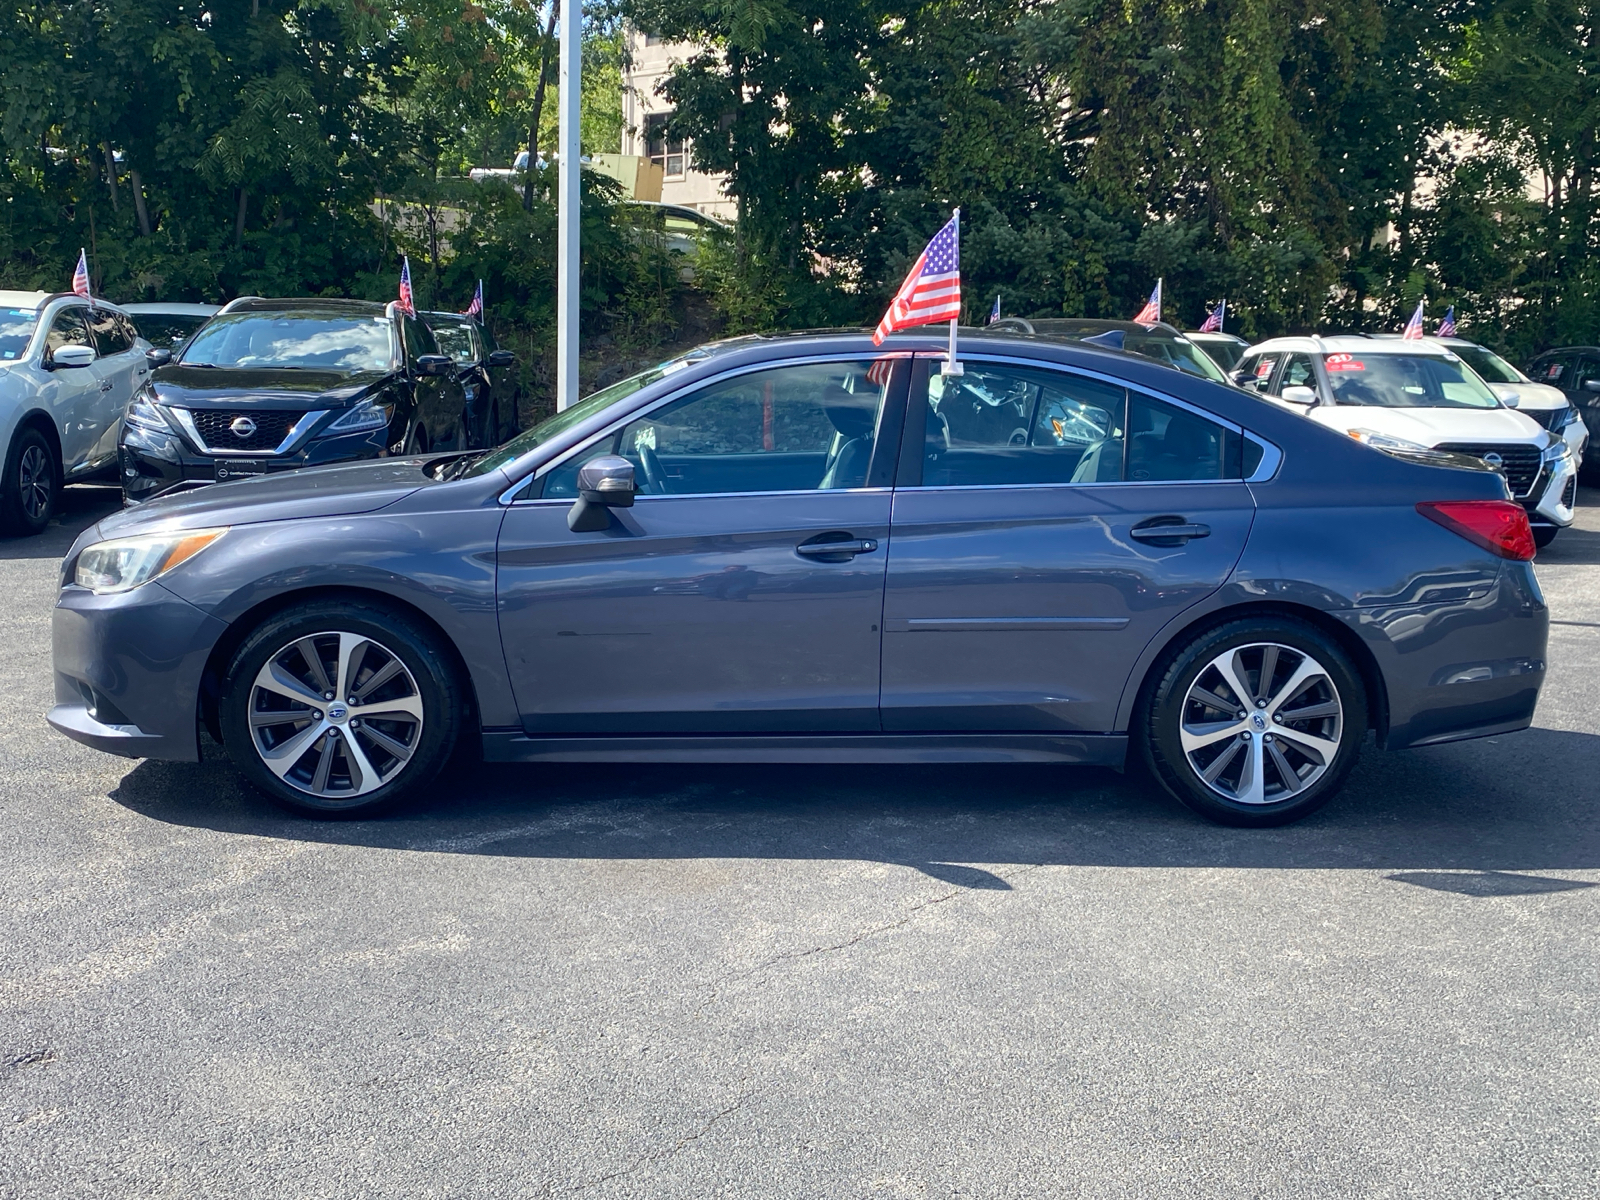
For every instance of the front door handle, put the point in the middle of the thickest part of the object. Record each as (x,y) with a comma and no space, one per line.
(840,551)
(1168,531)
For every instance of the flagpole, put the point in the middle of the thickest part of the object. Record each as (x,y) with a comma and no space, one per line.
(568,200)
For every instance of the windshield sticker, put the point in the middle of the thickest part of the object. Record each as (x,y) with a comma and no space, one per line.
(1554,372)
(1344,362)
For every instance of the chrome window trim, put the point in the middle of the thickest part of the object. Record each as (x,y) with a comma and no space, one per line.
(296,433)
(1271,455)
(568,501)
(509,495)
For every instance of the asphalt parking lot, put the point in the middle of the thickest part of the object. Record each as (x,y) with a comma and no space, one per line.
(810,982)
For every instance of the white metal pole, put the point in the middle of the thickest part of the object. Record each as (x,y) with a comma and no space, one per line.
(567,249)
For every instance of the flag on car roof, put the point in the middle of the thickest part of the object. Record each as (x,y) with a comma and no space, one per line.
(475,309)
(407,304)
(932,291)
(80,277)
(1213,323)
(994,313)
(1413,329)
(1447,327)
(1150,314)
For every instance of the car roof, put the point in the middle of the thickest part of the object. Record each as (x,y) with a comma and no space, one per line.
(176,308)
(1092,325)
(305,304)
(432,315)
(23,299)
(1568,350)
(1195,335)
(1350,344)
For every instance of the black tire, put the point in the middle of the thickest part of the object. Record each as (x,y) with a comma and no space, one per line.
(429,681)
(417,443)
(31,484)
(1543,535)
(1274,750)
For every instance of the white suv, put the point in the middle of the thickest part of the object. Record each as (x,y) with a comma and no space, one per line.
(67,373)
(1418,395)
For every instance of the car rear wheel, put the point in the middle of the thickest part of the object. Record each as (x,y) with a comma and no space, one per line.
(340,709)
(1257,722)
(28,490)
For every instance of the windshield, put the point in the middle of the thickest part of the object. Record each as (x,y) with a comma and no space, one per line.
(1186,356)
(1226,354)
(563,421)
(16,330)
(455,339)
(166,329)
(1406,381)
(1488,364)
(310,340)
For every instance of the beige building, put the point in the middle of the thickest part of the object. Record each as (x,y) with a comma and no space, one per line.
(644,117)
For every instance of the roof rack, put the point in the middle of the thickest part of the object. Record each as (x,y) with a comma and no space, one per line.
(228,307)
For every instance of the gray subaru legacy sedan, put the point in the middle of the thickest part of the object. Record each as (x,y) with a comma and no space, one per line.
(808,549)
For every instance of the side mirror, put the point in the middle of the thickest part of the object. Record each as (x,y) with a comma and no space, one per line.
(158,356)
(1242,378)
(1297,394)
(1591,385)
(603,483)
(502,358)
(435,364)
(1511,399)
(72,356)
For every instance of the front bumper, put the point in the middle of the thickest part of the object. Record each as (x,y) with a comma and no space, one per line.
(1555,496)
(128,670)
(152,463)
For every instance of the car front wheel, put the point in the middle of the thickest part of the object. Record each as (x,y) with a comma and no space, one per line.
(1257,722)
(340,708)
(28,490)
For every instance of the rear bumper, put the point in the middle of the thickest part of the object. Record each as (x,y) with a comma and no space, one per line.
(1463,668)
(152,463)
(128,670)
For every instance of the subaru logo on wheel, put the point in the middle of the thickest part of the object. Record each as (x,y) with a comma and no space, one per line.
(337,712)
(1494,460)
(1258,720)
(242,427)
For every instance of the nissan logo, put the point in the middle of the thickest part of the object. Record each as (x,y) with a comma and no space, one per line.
(242,427)
(1494,460)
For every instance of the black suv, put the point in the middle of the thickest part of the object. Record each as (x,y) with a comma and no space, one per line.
(486,374)
(1576,371)
(271,385)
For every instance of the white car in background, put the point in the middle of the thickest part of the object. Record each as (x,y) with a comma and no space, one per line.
(67,373)
(1419,395)
(1545,404)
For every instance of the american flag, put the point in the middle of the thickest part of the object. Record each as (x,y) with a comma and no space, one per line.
(932,291)
(80,277)
(994,313)
(1213,323)
(407,304)
(1150,314)
(1413,329)
(1447,327)
(475,309)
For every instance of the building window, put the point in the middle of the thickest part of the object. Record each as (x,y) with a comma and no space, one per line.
(653,39)
(666,152)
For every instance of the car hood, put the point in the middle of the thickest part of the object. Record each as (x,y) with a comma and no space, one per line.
(1533,395)
(337,491)
(1433,426)
(261,387)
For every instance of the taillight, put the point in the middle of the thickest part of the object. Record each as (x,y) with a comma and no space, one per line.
(1499,526)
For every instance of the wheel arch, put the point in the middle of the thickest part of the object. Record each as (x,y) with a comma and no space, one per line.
(248,621)
(1173,640)
(37,418)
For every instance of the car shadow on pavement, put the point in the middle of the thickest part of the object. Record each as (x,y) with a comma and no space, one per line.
(1580,547)
(1474,812)
(77,508)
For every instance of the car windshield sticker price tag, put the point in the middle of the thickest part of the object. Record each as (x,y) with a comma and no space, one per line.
(1344,362)
(1264,367)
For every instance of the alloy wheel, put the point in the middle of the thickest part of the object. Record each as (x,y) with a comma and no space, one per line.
(34,482)
(1261,723)
(335,715)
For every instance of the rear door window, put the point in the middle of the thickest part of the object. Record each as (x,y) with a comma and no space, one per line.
(109,335)
(1011,426)
(1553,371)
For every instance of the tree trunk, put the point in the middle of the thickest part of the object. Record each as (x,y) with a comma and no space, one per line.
(111,175)
(139,208)
(238,221)
(538,106)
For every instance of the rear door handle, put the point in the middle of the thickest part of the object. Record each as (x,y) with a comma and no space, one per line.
(1168,531)
(837,551)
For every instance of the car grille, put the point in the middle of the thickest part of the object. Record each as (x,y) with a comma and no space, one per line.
(1545,416)
(1519,464)
(1569,494)
(272,426)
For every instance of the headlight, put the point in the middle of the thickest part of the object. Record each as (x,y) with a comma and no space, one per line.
(124,563)
(1563,418)
(363,416)
(1556,451)
(1383,441)
(144,413)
